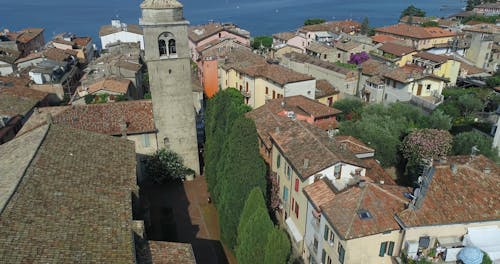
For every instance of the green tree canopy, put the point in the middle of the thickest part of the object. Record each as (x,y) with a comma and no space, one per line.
(351,108)
(365,26)
(254,237)
(411,10)
(166,165)
(439,120)
(463,143)
(265,41)
(469,104)
(254,201)
(241,170)
(430,24)
(278,248)
(314,21)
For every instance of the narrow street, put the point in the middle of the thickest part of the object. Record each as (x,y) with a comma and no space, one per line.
(181,213)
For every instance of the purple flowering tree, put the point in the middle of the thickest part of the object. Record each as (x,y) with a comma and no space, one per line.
(427,143)
(358,58)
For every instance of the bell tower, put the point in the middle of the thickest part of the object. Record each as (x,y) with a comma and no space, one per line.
(167,56)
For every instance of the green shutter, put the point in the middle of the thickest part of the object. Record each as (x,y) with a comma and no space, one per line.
(341,253)
(383,247)
(323,256)
(325,234)
(391,248)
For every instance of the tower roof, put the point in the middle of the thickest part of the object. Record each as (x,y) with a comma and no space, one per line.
(160,4)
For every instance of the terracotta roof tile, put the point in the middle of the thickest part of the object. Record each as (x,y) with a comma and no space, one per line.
(469,195)
(117,85)
(382,38)
(324,88)
(28,34)
(299,141)
(355,145)
(319,47)
(284,35)
(101,118)
(171,253)
(58,54)
(396,49)
(304,58)
(345,26)
(417,32)
(201,32)
(373,67)
(380,201)
(347,46)
(319,193)
(8,55)
(431,57)
(73,203)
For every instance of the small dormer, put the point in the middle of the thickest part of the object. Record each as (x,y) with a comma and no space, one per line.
(167,46)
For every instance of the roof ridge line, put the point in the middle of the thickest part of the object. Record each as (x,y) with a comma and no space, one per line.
(316,138)
(363,192)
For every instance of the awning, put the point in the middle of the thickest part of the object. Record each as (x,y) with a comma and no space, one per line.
(487,238)
(293,229)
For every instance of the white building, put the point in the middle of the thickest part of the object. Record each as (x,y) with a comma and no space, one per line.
(120,32)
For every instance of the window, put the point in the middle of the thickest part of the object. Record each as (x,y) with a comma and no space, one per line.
(246,88)
(323,256)
(145,140)
(267,90)
(364,214)
(171,46)
(338,55)
(337,171)
(315,245)
(341,252)
(383,248)
(288,172)
(274,94)
(329,261)
(296,209)
(324,56)
(390,250)
(293,204)
(278,161)
(162,46)
(285,194)
(297,181)
(428,87)
(325,234)
(331,238)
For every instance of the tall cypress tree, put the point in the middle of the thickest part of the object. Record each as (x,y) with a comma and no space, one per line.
(278,248)
(242,170)
(254,201)
(254,238)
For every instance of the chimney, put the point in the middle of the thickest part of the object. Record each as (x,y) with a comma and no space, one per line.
(454,168)
(277,130)
(306,163)
(486,170)
(123,128)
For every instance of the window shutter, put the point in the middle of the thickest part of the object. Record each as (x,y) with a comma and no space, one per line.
(325,234)
(390,249)
(383,247)
(341,253)
(323,256)
(296,185)
(296,209)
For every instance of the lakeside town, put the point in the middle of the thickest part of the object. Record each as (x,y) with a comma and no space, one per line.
(336,142)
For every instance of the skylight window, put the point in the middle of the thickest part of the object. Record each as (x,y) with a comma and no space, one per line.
(364,214)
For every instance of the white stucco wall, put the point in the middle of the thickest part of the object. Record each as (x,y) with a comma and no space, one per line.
(122,36)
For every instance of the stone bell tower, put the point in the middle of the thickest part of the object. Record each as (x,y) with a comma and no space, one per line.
(167,56)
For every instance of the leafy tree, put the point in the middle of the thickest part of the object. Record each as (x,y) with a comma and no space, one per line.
(430,24)
(255,200)
(265,41)
(427,144)
(439,120)
(254,238)
(412,11)
(469,104)
(350,108)
(483,19)
(277,248)
(365,26)
(89,98)
(241,170)
(166,165)
(471,4)
(314,21)
(463,143)
(147,95)
(494,80)
(120,97)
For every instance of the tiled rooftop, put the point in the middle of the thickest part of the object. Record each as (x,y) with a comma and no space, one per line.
(303,58)
(171,253)
(469,195)
(325,88)
(101,118)
(417,32)
(116,85)
(109,29)
(201,32)
(431,57)
(28,34)
(19,100)
(73,204)
(346,26)
(8,55)
(396,49)
(284,35)
(319,193)
(319,48)
(347,46)
(300,141)
(381,201)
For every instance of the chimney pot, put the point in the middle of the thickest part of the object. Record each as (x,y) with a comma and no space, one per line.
(306,163)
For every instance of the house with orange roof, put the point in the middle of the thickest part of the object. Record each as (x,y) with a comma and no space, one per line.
(259,80)
(114,88)
(29,40)
(81,45)
(419,37)
(377,222)
(394,53)
(291,39)
(484,51)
